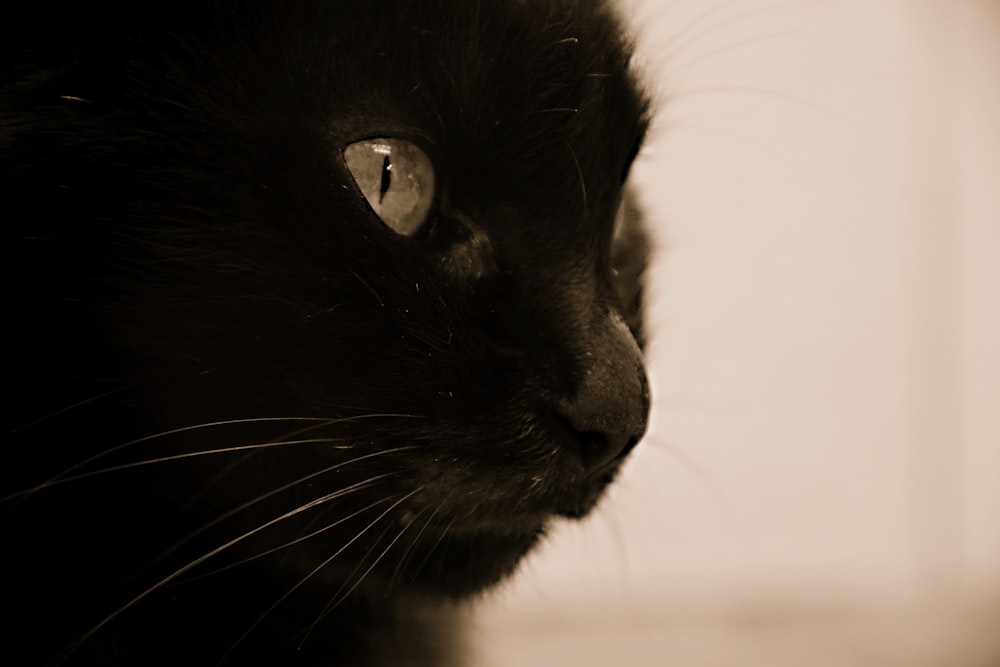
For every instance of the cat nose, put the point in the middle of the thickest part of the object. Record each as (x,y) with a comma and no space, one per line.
(609,410)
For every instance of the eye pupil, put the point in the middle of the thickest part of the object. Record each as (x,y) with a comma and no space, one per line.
(386,179)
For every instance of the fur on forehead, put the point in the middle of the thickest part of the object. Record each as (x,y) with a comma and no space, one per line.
(511,81)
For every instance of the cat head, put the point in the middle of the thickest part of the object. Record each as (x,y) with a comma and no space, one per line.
(353,287)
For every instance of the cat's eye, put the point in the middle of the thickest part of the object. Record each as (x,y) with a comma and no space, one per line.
(397,179)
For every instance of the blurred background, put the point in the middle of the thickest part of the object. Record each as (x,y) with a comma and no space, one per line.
(820,485)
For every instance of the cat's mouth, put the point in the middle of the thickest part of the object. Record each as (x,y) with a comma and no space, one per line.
(515,520)
(589,493)
(601,464)
(473,552)
(465,522)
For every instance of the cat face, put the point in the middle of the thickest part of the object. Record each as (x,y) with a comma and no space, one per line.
(344,298)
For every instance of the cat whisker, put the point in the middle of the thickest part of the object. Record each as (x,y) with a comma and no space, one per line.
(673,70)
(675,45)
(678,455)
(222,474)
(341,594)
(365,574)
(355,487)
(683,125)
(214,552)
(579,172)
(714,90)
(184,429)
(670,44)
(436,544)
(281,489)
(370,288)
(405,556)
(319,567)
(346,580)
(217,478)
(317,422)
(51,415)
(166,459)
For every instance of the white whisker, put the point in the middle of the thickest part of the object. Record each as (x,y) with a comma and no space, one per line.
(321,422)
(413,543)
(676,46)
(358,581)
(437,543)
(167,459)
(673,70)
(51,415)
(280,489)
(714,90)
(579,172)
(313,572)
(201,559)
(76,466)
(671,43)
(355,487)
(690,464)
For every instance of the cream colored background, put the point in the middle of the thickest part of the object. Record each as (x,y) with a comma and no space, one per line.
(821,482)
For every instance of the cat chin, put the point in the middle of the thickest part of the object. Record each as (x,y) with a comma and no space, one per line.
(482,555)
(588,493)
(476,561)
(472,556)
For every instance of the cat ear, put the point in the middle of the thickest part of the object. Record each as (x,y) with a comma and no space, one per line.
(397,179)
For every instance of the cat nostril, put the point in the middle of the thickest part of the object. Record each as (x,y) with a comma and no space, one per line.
(599,448)
(606,418)
(593,447)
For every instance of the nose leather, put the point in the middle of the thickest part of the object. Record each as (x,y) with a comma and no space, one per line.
(608,410)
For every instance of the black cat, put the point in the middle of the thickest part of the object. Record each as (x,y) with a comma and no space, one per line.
(317,313)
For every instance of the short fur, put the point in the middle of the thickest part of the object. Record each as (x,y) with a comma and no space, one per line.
(244,420)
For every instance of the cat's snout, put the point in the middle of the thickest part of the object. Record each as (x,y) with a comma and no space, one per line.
(609,409)
(606,421)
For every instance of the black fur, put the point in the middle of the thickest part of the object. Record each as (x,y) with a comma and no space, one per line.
(216,348)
